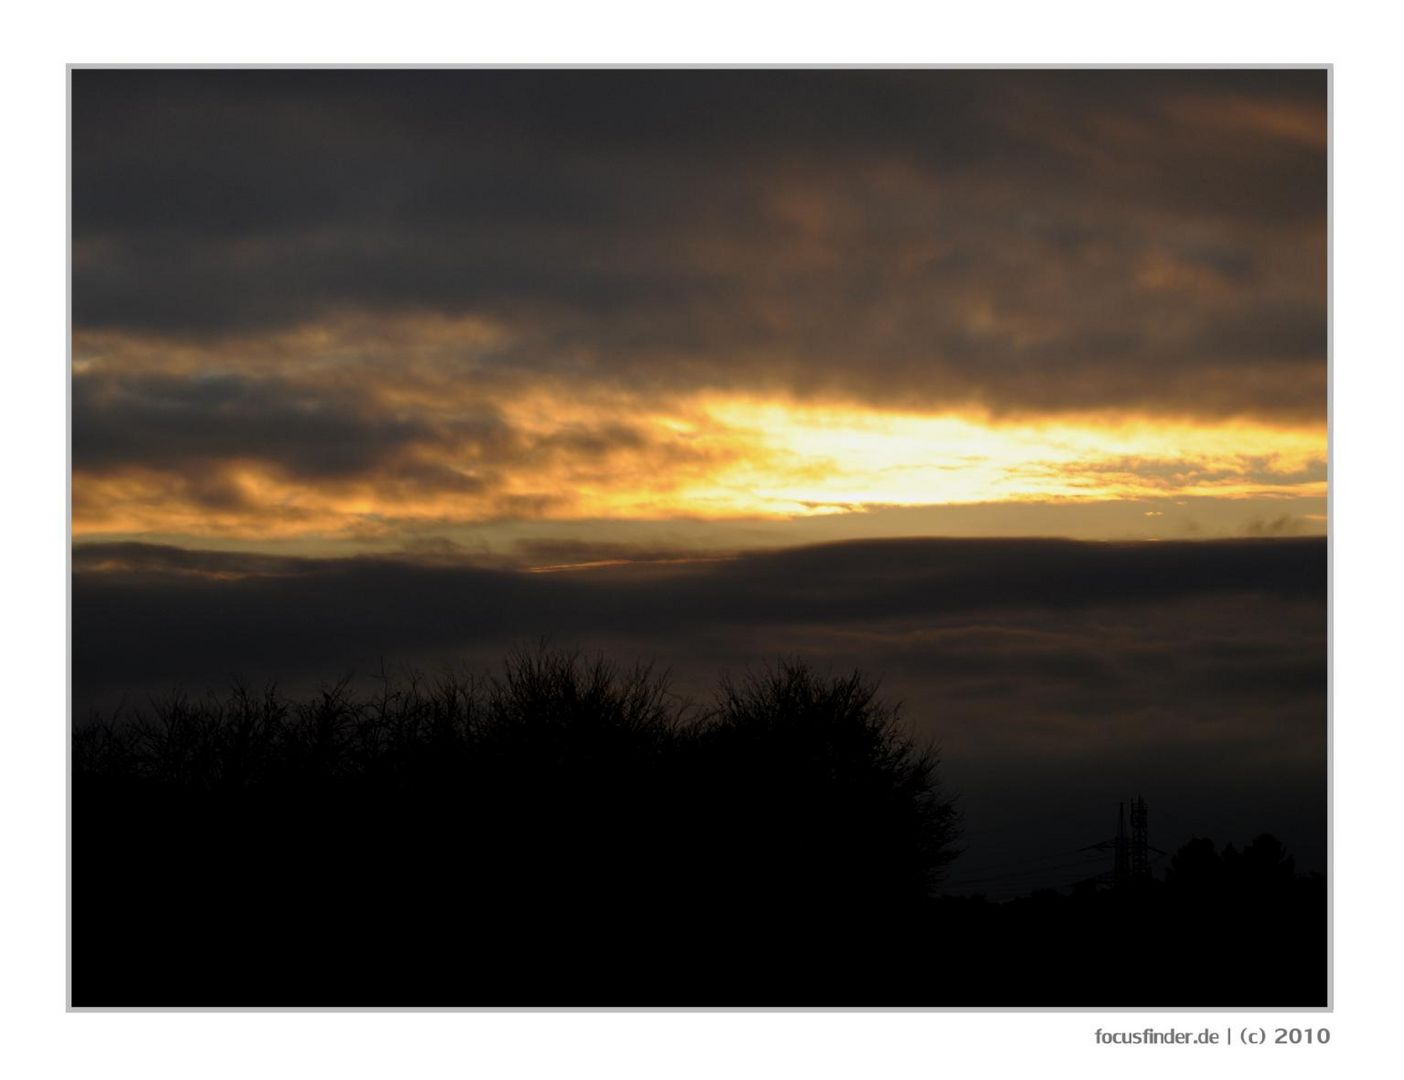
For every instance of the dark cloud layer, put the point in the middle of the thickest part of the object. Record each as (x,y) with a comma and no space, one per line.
(1060,677)
(168,612)
(1021,241)
(163,421)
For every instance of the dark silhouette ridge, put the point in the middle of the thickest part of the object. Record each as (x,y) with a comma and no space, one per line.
(571,833)
(1230,928)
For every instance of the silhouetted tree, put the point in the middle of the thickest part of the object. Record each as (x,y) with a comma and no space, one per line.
(1199,868)
(1195,867)
(1263,864)
(853,805)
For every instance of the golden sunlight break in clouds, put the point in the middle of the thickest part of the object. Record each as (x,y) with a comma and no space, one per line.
(718,457)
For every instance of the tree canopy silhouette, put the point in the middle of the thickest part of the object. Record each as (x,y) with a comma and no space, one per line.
(564,812)
(826,794)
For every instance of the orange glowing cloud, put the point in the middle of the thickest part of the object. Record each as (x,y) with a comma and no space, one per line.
(612,455)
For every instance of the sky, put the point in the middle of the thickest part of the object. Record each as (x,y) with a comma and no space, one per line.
(369,311)
(1008,386)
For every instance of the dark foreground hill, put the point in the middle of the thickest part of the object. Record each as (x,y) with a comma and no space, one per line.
(570,834)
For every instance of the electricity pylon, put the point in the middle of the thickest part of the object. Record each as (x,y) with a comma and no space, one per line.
(1130,853)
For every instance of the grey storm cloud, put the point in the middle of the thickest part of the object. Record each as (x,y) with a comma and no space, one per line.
(1019,240)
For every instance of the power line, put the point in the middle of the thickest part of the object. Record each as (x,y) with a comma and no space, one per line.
(1132,859)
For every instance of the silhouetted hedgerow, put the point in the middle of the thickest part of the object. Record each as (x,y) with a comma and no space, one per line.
(565,812)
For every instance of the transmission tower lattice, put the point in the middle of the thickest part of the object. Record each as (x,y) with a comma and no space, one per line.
(1131,853)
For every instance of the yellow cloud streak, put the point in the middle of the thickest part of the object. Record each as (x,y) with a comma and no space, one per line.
(814,458)
(719,457)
